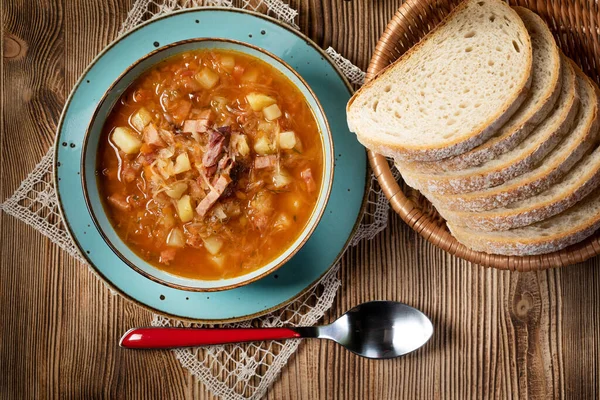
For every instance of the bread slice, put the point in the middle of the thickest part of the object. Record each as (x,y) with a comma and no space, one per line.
(545,89)
(576,185)
(558,163)
(570,227)
(451,91)
(516,162)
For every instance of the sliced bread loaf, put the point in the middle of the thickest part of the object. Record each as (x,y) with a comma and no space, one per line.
(544,91)
(559,162)
(451,91)
(576,185)
(570,227)
(518,161)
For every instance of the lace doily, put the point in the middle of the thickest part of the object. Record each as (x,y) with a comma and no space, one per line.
(242,371)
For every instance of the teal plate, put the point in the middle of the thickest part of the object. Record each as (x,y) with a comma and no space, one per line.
(340,219)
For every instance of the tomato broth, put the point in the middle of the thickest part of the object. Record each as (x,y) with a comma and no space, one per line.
(210,164)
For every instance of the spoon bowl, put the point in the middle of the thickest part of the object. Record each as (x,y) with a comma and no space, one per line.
(377,329)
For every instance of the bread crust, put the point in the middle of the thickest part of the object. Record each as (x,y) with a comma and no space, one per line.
(525,247)
(543,243)
(391,148)
(516,189)
(578,222)
(518,130)
(509,218)
(512,164)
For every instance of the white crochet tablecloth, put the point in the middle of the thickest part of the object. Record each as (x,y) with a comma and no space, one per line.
(242,371)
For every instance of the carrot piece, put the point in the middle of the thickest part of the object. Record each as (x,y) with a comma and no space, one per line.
(145,149)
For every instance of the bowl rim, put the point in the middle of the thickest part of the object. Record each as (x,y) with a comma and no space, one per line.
(314,218)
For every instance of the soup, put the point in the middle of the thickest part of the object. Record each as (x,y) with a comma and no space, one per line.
(210,164)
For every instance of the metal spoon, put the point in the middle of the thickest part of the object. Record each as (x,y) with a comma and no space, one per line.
(377,329)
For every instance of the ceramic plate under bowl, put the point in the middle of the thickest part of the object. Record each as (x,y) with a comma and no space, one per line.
(94,135)
(341,215)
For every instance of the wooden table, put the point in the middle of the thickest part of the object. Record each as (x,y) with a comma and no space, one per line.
(497,334)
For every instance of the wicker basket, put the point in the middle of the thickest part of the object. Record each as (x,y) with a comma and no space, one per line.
(575,24)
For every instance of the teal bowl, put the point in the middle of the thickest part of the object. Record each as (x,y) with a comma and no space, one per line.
(90,150)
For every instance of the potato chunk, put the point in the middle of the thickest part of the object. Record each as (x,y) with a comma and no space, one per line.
(250,76)
(213,244)
(258,101)
(126,140)
(185,209)
(176,238)
(227,63)
(263,146)
(140,119)
(207,78)
(176,190)
(281,179)
(272,112)
(239,143)
(164,167)
(287,140)
(218,260)
(282,222)
(182,164)
(268,127)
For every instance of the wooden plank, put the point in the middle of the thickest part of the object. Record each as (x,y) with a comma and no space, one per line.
(31,102)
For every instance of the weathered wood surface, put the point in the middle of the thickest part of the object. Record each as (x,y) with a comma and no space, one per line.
(498,334)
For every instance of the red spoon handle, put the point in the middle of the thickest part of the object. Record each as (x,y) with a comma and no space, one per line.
(166,338)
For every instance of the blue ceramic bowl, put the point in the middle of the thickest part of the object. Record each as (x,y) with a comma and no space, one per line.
(90,150)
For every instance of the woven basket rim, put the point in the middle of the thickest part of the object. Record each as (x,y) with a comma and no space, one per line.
(407,19)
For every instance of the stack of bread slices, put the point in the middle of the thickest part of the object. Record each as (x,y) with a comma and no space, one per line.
(495,126)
